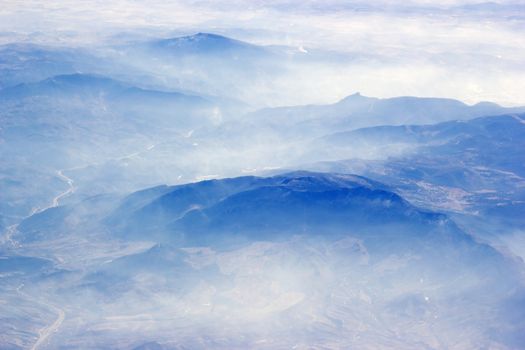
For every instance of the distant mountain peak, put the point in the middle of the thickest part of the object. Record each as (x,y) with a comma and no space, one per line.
(356,97)
(201,36)
(203,41)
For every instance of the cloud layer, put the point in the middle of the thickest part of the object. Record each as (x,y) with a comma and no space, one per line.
(461,49)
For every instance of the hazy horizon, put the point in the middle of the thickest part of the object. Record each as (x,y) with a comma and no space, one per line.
(466,50)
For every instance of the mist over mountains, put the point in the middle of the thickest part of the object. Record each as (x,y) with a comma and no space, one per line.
(155,194)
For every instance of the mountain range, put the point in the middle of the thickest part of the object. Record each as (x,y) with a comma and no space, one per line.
(167,193)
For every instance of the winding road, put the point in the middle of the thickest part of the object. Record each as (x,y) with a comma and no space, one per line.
(45,333)
(11,230)
(67,192)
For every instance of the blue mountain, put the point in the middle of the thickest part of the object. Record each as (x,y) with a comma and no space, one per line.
(26,63)
(90,85)
(268,208)
(474,169)
(490,143)
(206,44)
(358,111)
(250,207)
